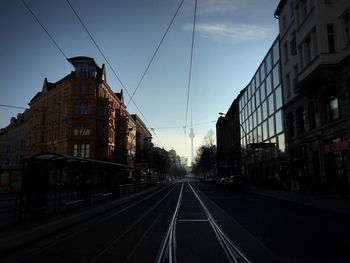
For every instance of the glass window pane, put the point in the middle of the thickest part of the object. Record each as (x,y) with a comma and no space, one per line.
(260,134)
(258,97)
(278,97)
(265,132)
(279,119)
(252,83)
(276,52)
(271,104)
(257,77)
(268,84)
(268,63)
(272,126)
(258,113)
(262,71)
(281,144)
(262,91)
(264,110)
(276,76)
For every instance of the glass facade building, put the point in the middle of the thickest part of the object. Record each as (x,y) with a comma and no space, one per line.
(261,117)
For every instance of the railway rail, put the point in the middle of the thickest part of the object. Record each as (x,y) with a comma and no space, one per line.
(168,248)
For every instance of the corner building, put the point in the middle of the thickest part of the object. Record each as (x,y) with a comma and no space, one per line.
(79,115)
(315,59)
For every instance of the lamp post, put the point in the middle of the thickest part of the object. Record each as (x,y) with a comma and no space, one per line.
(246,144)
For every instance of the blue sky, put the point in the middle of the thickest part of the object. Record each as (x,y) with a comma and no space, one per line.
(231,39)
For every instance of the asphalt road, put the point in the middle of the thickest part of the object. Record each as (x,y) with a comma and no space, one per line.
(292,232)
(198,222)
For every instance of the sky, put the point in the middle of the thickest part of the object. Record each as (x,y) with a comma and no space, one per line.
(231,39)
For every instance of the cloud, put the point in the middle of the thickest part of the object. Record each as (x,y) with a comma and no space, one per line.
(230,33)
(219,6)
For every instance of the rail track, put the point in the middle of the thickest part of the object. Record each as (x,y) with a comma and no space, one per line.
(168,248)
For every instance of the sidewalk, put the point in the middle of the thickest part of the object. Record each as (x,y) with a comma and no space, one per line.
(17,235)
(324,202)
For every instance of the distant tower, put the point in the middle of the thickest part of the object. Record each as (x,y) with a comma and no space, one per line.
(191,136)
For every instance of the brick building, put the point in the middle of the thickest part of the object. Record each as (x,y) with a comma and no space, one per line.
(79,115)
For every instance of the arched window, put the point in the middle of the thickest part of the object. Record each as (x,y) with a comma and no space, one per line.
(290,125)
(300,118)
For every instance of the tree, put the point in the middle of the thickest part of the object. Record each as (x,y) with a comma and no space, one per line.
(206,161)
(209,139)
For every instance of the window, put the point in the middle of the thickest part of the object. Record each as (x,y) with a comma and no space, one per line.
(268,62)
(264,110)
(81,108)
(258,97)
(332,108)
(258,115)
(300,117)
(276,52)
(278,97)
(346,26)
(279,124)
(272,126)
(271,104)
(281,144)
(265,131)
(276,76)
(262,91)
(290,125)
(262,71)
(268,84)
(307,50)
(81,150)
(330,34)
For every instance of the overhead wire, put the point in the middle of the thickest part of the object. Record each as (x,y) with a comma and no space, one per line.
(156,51)
(110,66)
(13,107)
(43,27)
(191,59)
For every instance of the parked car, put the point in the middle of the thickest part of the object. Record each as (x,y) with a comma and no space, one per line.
(237,182)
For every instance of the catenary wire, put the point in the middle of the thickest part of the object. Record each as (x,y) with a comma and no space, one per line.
(43,27)
(191,59)
(13,107)
(156,51)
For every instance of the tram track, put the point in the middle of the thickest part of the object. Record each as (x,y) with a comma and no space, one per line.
(76,230)
(233,253)
(129,228)
(167,252)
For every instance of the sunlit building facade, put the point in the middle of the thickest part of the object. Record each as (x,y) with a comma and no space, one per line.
(79,115)
(261,122)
